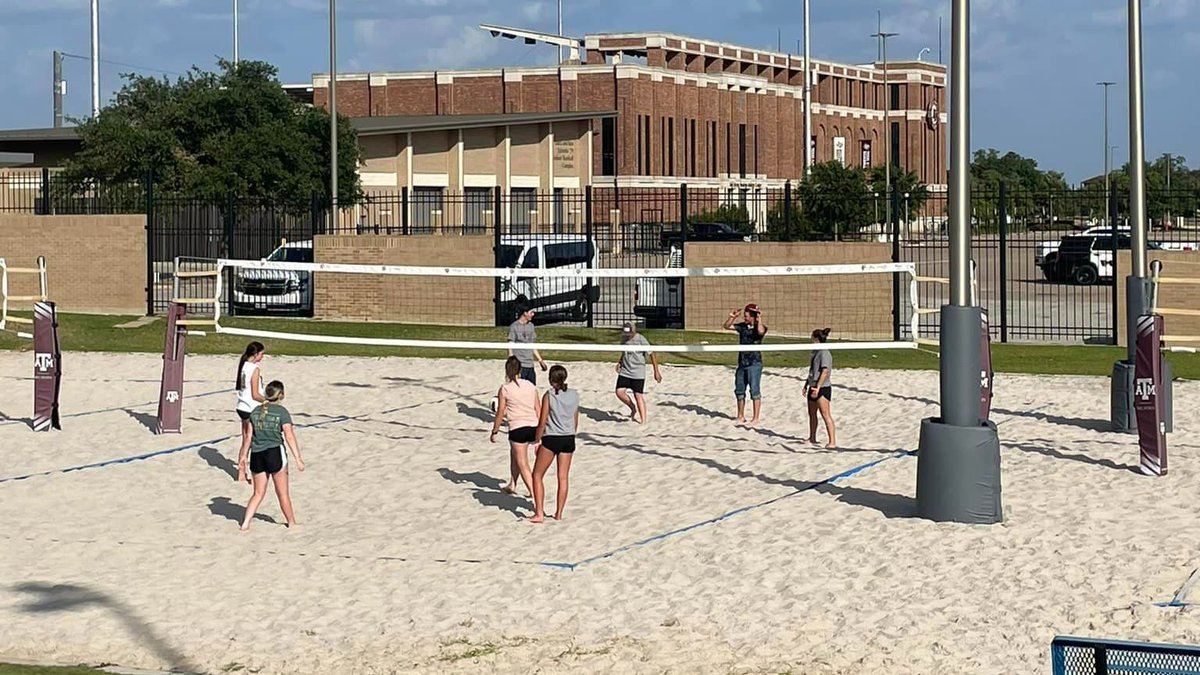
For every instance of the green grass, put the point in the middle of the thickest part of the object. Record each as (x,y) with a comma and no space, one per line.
(98,333)
(10,669)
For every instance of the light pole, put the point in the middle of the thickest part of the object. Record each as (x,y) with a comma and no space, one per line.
(1107,162)
(333,125)
(808,139)
(235,32)
(560,32)
(95,58)
(887,124)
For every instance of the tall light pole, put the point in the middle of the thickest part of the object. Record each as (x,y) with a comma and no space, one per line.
(95,58)
(958,460)
(333,125)
(235,33)
(1107,161)
(887,124)
(560,32)
(808,139)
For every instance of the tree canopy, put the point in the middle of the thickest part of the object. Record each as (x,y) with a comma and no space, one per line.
(215,134)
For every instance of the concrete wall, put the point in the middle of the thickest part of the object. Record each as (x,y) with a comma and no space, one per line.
(1176,264)
(95,263)
(857,306)
(370,297)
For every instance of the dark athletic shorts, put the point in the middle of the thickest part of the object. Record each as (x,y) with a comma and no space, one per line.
(243,415)
(636,386)
(825,392)
(559,444)
(524,435)
(267,461)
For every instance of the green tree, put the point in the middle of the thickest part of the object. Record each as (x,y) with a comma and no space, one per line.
(907,185)
(784,226)
(1032,193)
(734,215)
(214,134)
(835,200)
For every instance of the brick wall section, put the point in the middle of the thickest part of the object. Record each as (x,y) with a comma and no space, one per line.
(95,264)
(371,297)
(855,306)
(1176,264)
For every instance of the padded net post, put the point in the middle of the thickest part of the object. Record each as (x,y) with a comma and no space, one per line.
(47,367)
(170,395)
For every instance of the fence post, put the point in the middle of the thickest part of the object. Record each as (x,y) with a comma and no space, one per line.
(1003,213)
(1116,305)
(148,193)
(404,215)
(894,196)
(230,249)
(500,319)
(595,251)
(786,225)
(45,191)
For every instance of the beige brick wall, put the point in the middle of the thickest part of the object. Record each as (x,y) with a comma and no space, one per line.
(1176,264)
(857,306)
(370,297)
(95,263)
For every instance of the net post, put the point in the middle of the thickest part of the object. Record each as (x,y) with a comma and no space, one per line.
(591,238)
(895,226)
(1003,213)
(170,396)
(47,370)
(496,299)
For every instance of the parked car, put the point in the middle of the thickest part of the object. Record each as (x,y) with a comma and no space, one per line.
(1087,259)
(1047,251)
(258,292)
(658,300)
(550,296)
(705,232)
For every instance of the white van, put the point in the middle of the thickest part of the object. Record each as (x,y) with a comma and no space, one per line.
(259,292)
(559,296)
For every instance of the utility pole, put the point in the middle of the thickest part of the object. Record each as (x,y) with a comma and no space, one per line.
(560,32)
(333,122)
(808,139)
(887,123)
(95,58)
(1169,167)
(1107,165)
(60,89)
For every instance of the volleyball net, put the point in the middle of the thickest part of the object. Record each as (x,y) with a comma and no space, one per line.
(868,306)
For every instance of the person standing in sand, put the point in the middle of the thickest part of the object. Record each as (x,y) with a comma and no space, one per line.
(631,373)
(750,330)
(250,394)
(818,389)
(517,404)
(523,331)
(557,425)
(271,430)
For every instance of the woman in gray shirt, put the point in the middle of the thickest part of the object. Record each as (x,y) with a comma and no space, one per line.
(556,437)
(818,389)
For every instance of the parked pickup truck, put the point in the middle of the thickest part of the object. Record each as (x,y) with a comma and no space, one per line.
(659,301)
(704,232)
(1046,256)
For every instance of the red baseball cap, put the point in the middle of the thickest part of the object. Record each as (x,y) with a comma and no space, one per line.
(752,307)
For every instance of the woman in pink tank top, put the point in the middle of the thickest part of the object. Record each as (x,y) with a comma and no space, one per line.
(518,406)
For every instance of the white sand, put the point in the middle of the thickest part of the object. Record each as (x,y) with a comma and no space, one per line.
(408,559)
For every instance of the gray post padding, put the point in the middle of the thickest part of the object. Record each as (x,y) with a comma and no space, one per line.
(961,363)
(1123,419)
(1137,303)
(958,473)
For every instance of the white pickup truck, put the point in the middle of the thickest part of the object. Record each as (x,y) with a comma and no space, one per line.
(658,300)
(1046,254)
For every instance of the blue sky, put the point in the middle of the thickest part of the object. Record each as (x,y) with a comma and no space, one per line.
(1035,61)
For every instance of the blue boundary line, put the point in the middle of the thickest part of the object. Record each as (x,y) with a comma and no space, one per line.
(121,407)
(725,516)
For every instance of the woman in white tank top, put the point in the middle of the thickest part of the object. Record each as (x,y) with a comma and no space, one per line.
(250,393)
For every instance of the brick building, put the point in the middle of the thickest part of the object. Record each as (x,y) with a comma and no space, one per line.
(708,114)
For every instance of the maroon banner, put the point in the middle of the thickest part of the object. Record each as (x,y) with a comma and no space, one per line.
(986,375)
(47,367)
(1148,403)
(170,395)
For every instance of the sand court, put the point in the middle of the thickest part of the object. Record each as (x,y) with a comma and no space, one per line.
(690,545)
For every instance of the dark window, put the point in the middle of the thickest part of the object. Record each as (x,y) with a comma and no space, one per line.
(756,172)
(522,203)
(895,96)
(896,145)
(295,254)
(477,214)
(646,146)
(662,146)
(712,149)
(641,169)
(728,149)
(742,150)
(427,203)
(608,147)
(692,131)
(670,146)
(570,253)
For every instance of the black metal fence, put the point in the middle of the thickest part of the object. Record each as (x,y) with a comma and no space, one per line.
(1032,290)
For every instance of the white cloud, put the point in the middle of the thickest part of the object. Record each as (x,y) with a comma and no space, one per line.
(533,11)
(468,47)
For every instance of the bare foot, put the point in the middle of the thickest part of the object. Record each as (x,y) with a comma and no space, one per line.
(509,489)
(831,446)
(753,422)
(740,420)
(537,519)
(244,528)
(558,516)
(812,441)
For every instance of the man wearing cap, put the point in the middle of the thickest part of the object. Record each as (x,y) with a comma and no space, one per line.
(750,330)
(631,373)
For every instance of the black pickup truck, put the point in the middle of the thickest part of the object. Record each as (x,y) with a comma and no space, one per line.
(704,232)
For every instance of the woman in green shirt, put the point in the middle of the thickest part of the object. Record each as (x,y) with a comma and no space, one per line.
(271,430)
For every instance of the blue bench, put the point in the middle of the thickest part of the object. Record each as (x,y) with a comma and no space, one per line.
(1086,656)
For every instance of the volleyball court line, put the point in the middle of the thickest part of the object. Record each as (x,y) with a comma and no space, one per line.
(120,407)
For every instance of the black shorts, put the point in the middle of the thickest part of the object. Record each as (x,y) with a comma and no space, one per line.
(636,386)
(267,461)
(559,444)
(524,435)
(243,415)
(825,392)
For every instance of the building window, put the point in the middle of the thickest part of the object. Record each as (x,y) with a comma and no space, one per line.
(608,147)
(866,154)
(896,145)
(670,146)
(742,150)
(646,146)
(728,149)
(641,142)
(478,210)
(756,171)
(712,149)
(427,205)
(522,205)
(895,96)
(692,131)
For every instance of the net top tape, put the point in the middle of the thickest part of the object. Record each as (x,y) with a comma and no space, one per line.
(574,272)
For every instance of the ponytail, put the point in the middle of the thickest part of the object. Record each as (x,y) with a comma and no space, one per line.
(558,378)
(274,394)
(253,349)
